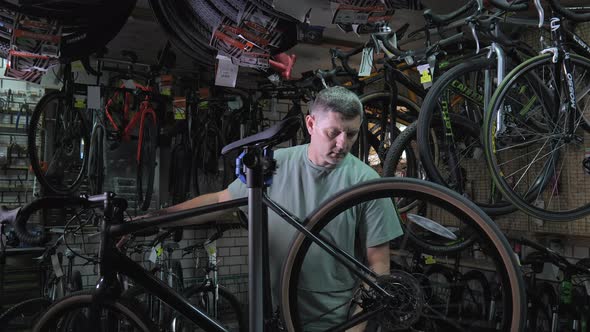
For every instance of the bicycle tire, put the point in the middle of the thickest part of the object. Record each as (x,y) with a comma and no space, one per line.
(232,315)
(532,120)
(66,168)
(493,240)
(97,160)
(179,174)
(462,172)
(475,301)
(29,308)
(75,309)
(442,288)
(146,162)
(193,40)
(368,142)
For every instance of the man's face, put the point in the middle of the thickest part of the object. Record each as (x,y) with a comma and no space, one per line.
(332,137)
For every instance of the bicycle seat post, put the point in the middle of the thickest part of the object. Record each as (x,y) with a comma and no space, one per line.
(258,163)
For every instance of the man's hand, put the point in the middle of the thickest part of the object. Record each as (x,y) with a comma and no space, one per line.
(378,258)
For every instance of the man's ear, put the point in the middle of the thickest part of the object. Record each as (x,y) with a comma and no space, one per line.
(309,123)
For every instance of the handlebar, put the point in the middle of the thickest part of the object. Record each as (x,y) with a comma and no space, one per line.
(19,217)
(514,6)
(442,19)
(554,257)
(568,13)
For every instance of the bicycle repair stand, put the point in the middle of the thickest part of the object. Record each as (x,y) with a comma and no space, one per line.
(260,166)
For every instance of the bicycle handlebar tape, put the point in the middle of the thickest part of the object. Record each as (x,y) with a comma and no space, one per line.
(23,216)
(510,6)
(568,13)
(442,19)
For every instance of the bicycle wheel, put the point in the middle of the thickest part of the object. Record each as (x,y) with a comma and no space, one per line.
(146,162)
(535,160)
(459,163)
(406,306)
(78,312)
(229,313)
(369,148)
(97,160)
(23,315)
(58,144)
(475,295)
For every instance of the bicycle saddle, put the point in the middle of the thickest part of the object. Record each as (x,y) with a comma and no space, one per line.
(280,132)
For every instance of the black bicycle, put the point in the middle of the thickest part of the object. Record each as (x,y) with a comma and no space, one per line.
(395,301)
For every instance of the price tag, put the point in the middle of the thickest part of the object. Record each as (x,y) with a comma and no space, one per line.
(349,14)
(211,249)
(155,253)
(425,75)
(366,62)
(539,204)
(57,270)
(429,260)
(179,114)
(227,72)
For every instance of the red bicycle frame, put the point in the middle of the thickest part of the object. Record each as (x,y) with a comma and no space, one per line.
(145,109)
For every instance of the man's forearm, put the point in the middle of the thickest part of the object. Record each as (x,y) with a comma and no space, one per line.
(378,258)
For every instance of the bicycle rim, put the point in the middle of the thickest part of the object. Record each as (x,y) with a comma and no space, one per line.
(146,166)
(58,144)
(454,209)
(532,157)
(74,313)
(369,148)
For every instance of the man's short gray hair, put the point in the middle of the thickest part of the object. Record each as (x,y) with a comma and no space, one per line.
(338,99)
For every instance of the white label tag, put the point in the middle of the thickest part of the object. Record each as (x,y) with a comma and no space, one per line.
(539,204)
(56,266)
(93,97)
(366,62)
(153,255)
(227,72)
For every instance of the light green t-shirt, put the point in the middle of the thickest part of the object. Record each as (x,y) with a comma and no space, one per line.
(300,187)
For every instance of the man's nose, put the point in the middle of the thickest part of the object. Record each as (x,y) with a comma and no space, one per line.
(341,141)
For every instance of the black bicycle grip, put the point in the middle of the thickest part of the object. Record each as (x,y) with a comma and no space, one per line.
(514,6)
(23,216)
(568,13)
(441,19)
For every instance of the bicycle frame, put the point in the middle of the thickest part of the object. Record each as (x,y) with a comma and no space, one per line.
(145,108)
(112,261)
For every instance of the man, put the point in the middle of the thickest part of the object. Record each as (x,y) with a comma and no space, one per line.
(307,175)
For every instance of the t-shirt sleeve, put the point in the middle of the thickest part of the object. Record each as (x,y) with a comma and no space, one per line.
(237,189)
(380,222)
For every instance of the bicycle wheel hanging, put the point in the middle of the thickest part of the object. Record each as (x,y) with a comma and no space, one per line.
(406,308)
(373,142)
(97,160)
(536,162)
(146,162)
(457,159)
(58,144)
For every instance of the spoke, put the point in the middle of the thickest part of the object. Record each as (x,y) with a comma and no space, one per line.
(535,160)
(556,176)
(527,142)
